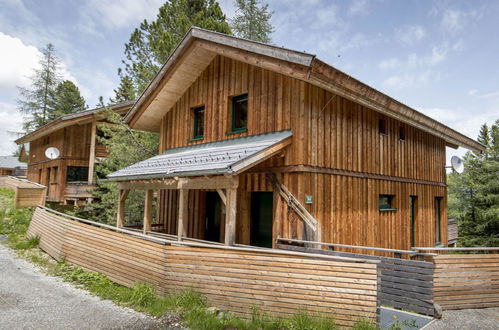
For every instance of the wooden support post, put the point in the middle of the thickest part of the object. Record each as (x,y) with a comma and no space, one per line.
(183,213)
(230,217)
(91,160)
(148,211)
(120,221)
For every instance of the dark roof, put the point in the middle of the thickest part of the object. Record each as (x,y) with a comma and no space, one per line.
(71,119)
(10,162)
(221,157)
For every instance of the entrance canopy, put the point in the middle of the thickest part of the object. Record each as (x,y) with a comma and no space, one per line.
(229,157)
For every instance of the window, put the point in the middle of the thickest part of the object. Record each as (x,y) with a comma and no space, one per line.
(438,220)
(240,113)
(198,123)
(77,173)
(402,133)
(413,202)
(382,127)
(386,203)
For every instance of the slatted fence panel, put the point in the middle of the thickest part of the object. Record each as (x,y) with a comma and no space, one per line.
(232,279)
(405,284)
(28,194)
(467,281)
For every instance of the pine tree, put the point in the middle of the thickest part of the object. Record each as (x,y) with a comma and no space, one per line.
(474,195)
(151,43)
(34,101)
(65,99)
(252,21)
(125,91)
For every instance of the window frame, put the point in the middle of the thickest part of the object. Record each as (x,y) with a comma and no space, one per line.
(402,135)
(85,177)
(234,100)
(195,126)
(391,203)
(382,127)
(438,220)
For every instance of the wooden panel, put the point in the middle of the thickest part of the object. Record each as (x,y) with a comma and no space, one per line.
(27,194)
(467,281)
(406,284)
(232,279)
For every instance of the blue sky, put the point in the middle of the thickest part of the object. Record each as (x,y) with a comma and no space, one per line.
(440,57)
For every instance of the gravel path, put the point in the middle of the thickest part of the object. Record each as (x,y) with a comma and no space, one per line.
(30,299)
(467,319)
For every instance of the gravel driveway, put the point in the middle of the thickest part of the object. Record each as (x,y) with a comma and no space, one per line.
(467,319)
(30,299)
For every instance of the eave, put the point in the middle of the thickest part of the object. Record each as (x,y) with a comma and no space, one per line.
(199,47)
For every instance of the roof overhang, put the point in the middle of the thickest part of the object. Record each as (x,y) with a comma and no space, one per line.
(227,157)
(199,47)
(77,118)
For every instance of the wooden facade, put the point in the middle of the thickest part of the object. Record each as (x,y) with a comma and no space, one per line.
(344,156)
(69,177)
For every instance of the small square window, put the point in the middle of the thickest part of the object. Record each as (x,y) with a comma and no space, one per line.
(402,133)
(240,113)
(198,122)
(382,127)
(386,203)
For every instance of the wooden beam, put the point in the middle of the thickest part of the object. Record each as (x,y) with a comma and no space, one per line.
(183,213)
(211,183)
(91,160)
(230,217)
(120,221)
(253,160)
(222,196)
(148,211)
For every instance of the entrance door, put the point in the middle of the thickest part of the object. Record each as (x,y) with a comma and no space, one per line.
(261,219)
(213,216)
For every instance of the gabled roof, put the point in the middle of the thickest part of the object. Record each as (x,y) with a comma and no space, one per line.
(77,118)
(221,157)
(199,47)
(11,162)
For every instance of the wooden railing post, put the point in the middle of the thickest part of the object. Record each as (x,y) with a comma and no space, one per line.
(183,213)
(230,220)
(120,221)
(148,210)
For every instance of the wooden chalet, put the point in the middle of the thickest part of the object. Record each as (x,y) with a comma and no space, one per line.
(70,176)
(10,165)
(260,142)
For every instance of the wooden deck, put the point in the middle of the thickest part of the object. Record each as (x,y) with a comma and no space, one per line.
(233,278)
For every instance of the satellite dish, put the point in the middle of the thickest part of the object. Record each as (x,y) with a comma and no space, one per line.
(52,153)
(457,164)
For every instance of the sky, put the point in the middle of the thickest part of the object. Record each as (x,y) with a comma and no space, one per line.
(439,57)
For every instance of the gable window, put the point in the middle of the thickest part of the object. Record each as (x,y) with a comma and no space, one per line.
(240,113)
(198,113)
(402,133)
(382,127)
(386,203)
(77,173)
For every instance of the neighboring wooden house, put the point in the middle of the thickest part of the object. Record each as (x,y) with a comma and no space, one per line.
(10,165)
(69,177)
(260,142)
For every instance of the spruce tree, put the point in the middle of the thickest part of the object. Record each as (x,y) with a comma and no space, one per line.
(125,91)
(65,99)
(252,21)
(151,43)
(34,102)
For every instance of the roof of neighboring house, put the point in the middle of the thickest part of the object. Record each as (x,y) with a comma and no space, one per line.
(11,162)
(221,157)
(79,117)
(452,231)
(199,47)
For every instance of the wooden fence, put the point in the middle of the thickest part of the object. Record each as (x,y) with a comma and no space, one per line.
(467,281)
(233,278)
(403,283)
(27,193)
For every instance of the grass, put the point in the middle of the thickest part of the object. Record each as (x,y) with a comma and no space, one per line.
(191,305)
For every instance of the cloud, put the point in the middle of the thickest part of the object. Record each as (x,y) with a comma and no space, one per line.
(410,35)
(358,8)
(472,92)
(17,61)
(490,95)
(455,20)
(414,61)
(121,14)
(11,121)
(407,80)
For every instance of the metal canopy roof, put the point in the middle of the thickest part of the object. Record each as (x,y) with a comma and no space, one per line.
(221,157)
